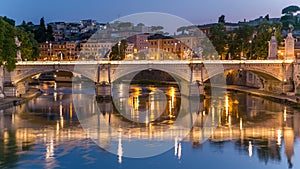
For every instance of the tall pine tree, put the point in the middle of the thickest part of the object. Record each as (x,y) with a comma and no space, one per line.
(40,33)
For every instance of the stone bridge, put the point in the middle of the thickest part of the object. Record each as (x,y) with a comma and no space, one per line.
(280,71)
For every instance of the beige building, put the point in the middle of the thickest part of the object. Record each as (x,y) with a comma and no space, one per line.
(129,52)
(95,49)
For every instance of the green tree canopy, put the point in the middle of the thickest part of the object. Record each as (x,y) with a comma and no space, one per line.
(182,29)
(8,47)
(218,37)
(263,36)
(25,26)
(29,47)
(40,34)
(156,28)
(290,10)
(9,21)
(239,42)
(221,19)
(49,33)
(289,18)
(118,50)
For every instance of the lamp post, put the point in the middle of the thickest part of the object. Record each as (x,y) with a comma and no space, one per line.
(175,49)
(70,54)
(119,44)
(50,50)
(242,52)
(250,41)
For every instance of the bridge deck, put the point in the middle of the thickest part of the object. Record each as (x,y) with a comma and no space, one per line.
(156,62)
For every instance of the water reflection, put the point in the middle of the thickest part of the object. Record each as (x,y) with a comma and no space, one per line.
(146,104)
(43,131)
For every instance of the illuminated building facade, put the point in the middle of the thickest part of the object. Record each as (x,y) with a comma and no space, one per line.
(165,47)
(59,51)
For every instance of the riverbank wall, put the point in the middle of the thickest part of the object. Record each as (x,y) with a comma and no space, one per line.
(8,102)
(294,101)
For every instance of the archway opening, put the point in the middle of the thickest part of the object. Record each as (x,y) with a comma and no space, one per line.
(253,79)
(43,81)
(147,96)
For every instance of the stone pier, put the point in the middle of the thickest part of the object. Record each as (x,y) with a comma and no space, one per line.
(103,91)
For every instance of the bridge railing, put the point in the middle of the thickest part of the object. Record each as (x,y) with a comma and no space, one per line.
(87,62)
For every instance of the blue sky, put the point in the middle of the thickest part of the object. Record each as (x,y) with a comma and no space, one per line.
(195,11)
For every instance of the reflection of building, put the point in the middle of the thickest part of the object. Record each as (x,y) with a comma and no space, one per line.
(289,144)
(265,129)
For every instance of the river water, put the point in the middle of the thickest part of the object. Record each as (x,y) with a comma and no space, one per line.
(244,131)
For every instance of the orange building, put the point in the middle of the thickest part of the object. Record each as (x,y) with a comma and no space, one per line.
(165,47)
(59,51)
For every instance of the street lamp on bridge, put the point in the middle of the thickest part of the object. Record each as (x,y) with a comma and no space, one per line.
(250,42)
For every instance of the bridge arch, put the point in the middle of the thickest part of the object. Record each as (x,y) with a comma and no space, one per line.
(182,71)
(24,72)
(270,71)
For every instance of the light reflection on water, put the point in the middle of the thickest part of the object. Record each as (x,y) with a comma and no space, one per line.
(251,132)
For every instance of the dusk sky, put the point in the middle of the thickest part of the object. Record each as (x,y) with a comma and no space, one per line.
(195,11)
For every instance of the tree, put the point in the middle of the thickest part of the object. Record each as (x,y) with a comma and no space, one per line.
(29,47)
(49,33)
(157,29)
(9,21)
(124,25)
(263,36)
(42,23)
(140,55)
(40,33)
(221,19)
(267,17)
(182,29)
(208,49)
(218,37)
(290,10)
(8,47)
(289,18)
(25,26)
(118,50)
(239,41)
